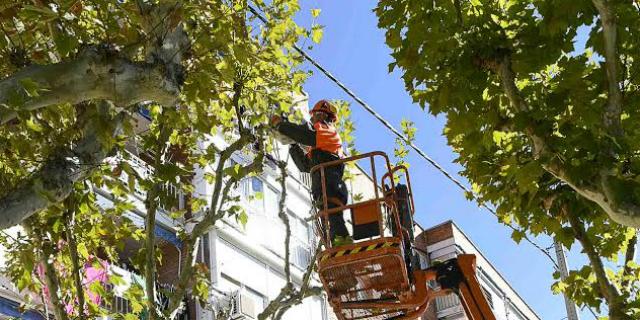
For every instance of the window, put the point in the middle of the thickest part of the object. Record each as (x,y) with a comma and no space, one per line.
(488,295)
(300,242)
(262,198)
(252,191)
(299,229)
(271,202)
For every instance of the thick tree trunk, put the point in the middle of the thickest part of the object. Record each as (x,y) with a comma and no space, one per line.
(53,182)
(96,73)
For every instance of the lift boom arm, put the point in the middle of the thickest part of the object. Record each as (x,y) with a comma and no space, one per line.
(459,276)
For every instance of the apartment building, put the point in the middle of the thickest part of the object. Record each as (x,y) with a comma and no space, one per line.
(446,241)
(246,261)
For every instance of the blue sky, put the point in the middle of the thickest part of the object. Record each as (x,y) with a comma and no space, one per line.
(353,49)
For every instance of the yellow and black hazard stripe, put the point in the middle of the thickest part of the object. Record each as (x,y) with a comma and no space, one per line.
(355,250)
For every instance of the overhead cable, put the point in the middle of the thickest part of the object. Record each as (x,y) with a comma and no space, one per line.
(398,134)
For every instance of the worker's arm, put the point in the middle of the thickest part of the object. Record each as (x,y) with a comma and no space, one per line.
(300,158)
(300,133)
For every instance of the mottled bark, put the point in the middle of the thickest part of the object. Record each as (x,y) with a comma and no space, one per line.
(151,204)
(629,256)
(600,190)
(51,279)
(613,108)
(53,182)
(96,73)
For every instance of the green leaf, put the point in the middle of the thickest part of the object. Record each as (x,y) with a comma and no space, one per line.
(30,87)
(82,250)
(65,43)
(316,33)
(517,235)
(31,124)
(243,218)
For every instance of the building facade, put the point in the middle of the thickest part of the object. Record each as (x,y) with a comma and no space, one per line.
(246,260)
(445,241)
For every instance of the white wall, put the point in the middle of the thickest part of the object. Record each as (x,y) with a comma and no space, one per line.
(507,305)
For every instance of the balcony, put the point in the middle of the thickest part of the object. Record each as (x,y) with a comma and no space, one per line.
(119,305)
(173,198)
(448,305)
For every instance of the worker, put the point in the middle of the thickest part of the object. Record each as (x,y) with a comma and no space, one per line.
(323,144)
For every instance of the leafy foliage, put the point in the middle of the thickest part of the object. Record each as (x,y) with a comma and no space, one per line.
(535,120)
(234,71)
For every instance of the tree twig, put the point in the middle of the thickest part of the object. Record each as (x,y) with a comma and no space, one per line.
(209,219)
(73,252)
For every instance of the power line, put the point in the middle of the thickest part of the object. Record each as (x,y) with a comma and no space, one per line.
(398,134)
(424,155)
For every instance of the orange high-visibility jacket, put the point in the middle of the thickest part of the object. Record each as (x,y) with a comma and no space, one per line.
(326,145)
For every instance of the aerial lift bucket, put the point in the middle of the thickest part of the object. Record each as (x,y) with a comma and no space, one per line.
(378,277)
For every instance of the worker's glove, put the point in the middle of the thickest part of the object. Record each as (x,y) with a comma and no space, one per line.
(275,120)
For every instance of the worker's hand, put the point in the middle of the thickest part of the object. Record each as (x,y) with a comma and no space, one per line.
(276,120)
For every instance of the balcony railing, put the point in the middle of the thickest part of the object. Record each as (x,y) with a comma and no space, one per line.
(305,178)
(119,305)
(448,305)
(173,198)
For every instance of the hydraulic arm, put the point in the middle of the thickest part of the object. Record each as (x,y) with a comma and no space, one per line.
(458,275)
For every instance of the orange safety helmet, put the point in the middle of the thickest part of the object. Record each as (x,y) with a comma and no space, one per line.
(326,107)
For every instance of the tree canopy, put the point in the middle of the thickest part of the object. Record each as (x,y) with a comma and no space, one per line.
(545,130)
(76,77)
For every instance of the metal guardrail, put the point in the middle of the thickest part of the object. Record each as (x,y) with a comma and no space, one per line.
(173,197)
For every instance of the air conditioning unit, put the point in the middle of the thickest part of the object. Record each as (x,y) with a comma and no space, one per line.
(243,307)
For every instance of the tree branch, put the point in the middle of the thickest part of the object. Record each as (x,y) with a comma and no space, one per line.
(186,275)
(621,209)
(96,73)
(306,290)
(282,214)
(243,172)
(51,279)
(288,289)
(606,288)
(101,72)
(613,109)
(210,217)
(73,252)
(151,204)
(53,182)
(508,81)
(289,296)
